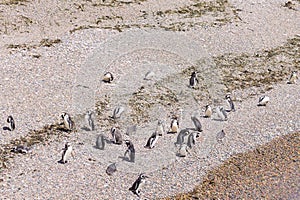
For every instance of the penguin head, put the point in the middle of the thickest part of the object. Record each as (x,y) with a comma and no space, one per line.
(9,119)
(67,145)
(143,176)
(113,130)
(63,115)
(128,143)
(194,74)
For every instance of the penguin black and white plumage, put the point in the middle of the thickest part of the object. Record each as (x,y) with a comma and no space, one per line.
(220,135)
(67,152)
(90,120)
(112,168)
(68,123)
(230,103)
(135,188)
(293,78)
(152,141)
(21,149)
(221,113)
(208,111)
(193,80)
(263,100)
(174,128)
(192,139)
(108,77)
(180,137)
(130,151)
(118,112)
(11,122)
(182,151)
(100,142)
(197,123)
(160,130)
(116,135)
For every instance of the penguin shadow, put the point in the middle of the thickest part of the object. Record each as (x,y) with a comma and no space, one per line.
(125,158)
(6,128)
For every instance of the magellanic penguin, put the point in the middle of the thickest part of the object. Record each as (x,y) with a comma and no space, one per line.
(135,188)
(21,149)
(174,128)
(130,150)
(117,112)
(90,120)
(221,113)
(67,151)
(108,77)
(192,139)
(68,123)
(11,121)
(220,135)
(116,135)
(160,128)
(263,100)
(230,103)
(180,137)
(100,142)
(152,140)
(208,111)
(193,80)
(112,168)
(197,123)
(293,78)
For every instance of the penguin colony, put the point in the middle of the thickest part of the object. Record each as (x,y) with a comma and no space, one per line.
(191,133)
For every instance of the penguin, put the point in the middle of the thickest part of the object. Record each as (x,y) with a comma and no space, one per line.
(68,123)
(174,126)
(220,135)
(293,78)
(182,152)
(149,75)
(130,150)
(108,77)
(20,149)
(90,120)
(135,188)
(193,80)
(221,113)
(117,112)
(152,140)
(11,121)
(263,100)
(180,136)
(230,103)
(112,168)
(197,123)
(100,142)
(160,128)
(66,153)
(116,134)
(192,139)
(208,111)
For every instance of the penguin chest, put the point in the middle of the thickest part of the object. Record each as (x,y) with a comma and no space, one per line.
(208,112)
(174,127)
(67,154)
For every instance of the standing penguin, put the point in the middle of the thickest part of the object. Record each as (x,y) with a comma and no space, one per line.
(208,111)
(130,150)
(193,80)
(116,134)
(100,142)
(108,77)
(67,151)
(160,128)
(197,123)
(118,112)
(68,123)
(263,100)
(220,135)
(192,139)
(152,140)
(174,126)
(180,136)
(293,78)
(90,120)
(221,113)
(11,121)
(230,103)
(135,188)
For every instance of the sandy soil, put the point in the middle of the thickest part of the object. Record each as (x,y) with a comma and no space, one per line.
(53,54)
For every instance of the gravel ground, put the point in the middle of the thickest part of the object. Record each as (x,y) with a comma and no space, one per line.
(54,65)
